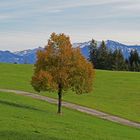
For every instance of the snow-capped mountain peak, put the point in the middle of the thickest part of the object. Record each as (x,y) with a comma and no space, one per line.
(29,51)
(29,56)
(81,45)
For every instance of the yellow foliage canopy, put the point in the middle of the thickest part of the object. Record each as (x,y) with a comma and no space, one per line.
(60,64)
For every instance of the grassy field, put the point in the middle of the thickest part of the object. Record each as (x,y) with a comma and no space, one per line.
(24,118)
(117,93)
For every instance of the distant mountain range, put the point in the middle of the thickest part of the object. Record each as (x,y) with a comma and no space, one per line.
(29,56)
(111,45)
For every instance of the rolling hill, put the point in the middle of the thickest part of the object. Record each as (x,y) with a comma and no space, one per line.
(24,118)
(116,93)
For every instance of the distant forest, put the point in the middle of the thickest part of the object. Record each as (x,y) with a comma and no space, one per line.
(103,58)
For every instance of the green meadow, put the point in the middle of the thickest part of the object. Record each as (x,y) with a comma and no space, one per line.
(24,118)
(117,93)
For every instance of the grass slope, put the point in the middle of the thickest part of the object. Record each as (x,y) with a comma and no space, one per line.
(114,92)
(26,118)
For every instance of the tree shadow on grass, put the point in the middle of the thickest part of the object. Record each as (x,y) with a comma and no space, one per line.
(19,105)
(14,135)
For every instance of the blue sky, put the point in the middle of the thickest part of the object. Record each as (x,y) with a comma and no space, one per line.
(28,24)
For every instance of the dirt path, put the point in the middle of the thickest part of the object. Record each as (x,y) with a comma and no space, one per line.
(87,110)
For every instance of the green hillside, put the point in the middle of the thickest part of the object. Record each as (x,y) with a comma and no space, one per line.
(23,118)
(117,93)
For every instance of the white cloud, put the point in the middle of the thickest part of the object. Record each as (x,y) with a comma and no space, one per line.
(133,7)
(32,7)
(15,41)
(5,17)
(101,19)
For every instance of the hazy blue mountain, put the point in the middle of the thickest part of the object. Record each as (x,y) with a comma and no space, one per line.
(84,48)
(9,57)
(111,45)
(126,49)
(20,57)
(29,56)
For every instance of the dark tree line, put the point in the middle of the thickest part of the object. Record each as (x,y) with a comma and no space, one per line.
(103,58)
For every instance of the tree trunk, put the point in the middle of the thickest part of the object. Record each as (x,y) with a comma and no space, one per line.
(59,98)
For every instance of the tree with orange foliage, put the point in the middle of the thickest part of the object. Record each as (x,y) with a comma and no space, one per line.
(59,67)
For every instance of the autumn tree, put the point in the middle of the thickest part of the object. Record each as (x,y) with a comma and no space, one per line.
(59,67)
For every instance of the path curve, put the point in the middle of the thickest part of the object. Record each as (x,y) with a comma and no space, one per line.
(87,110)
